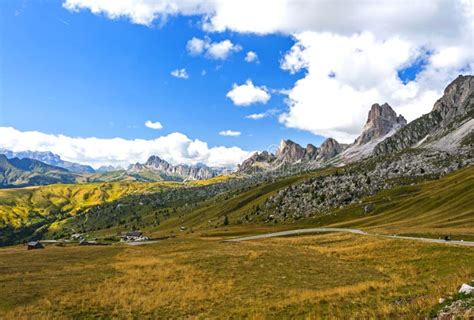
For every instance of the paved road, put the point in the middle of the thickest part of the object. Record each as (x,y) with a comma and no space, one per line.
(355,231)
(140,243)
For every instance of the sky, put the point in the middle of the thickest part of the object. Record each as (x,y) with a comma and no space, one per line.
(112,82)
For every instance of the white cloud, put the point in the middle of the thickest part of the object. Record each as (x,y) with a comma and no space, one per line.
(258,116)
(212,50)
(196,46)
(153,125)
(247,94)
(175,148)
(221,50)
(251,57)
(180,73)
(230,133)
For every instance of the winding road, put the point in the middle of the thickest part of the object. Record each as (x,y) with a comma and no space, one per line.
(354,231)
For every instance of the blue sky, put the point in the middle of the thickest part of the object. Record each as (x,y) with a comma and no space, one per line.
(77,73)
(80,74)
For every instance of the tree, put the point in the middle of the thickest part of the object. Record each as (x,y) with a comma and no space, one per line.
(226,220)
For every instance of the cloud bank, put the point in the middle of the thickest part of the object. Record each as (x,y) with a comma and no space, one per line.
(350,51)
(175,148)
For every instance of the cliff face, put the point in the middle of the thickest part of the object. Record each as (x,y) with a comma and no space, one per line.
(381,120)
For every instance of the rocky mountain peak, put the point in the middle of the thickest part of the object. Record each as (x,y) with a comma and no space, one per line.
(156,161)
(381,120)
(289,151)
(329,149)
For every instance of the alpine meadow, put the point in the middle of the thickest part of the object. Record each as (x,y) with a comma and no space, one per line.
(254,159)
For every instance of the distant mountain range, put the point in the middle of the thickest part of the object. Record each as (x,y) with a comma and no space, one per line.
(448,127)
(157,166)
(48,158)
(18,172)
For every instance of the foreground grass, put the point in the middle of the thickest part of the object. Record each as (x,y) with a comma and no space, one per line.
(332,275)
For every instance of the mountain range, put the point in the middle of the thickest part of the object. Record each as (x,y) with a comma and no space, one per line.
(18,172)
(448,127)
(49,158)
(166,171)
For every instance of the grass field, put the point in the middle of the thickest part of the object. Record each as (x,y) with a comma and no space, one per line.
(331,275)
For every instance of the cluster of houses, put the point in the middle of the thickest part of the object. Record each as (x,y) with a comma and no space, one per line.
(129,236)
(134,236)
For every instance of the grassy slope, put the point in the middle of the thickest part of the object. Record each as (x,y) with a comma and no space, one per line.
(319,276)
(439,207)
(433,208)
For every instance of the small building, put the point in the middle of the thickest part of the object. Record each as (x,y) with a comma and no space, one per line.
(34,245)
(134,236)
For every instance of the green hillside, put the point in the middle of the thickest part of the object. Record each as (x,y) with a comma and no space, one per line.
(439,207)
(26,209)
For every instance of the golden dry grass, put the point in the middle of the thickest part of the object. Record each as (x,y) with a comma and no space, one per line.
(317,276)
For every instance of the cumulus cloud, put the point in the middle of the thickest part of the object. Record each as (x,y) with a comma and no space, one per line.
(251,56)
(180,73)
(175,148)
(247,94)
(153,125)
(212,50)
(230,133)
(196,46)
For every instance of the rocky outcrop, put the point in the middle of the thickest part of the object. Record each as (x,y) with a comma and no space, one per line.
(320,195)
(453,110)
(167,171)
(259,161)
